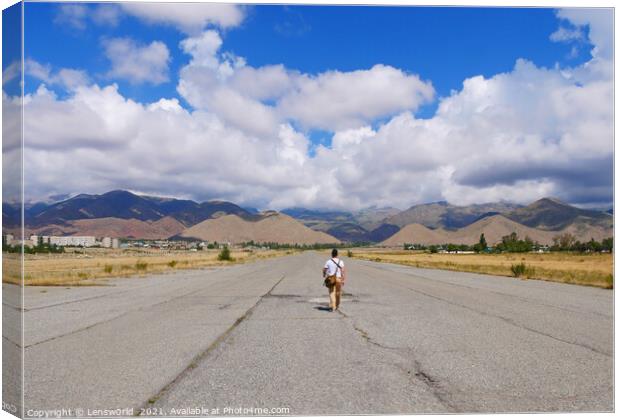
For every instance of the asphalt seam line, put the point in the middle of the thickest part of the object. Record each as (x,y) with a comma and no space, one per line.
(203,354)
(503,318)
(135,310)
(402,267)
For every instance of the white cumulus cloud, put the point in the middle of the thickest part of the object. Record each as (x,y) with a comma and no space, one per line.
(78,15)
(137,63)
(333,100)
(339,100)
(188,17)
(67,78)
(599,22)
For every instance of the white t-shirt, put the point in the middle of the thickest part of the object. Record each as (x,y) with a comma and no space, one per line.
(331,267)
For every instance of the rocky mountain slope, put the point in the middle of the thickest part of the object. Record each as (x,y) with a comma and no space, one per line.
(126,205)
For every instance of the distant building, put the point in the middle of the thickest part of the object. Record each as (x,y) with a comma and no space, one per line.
(10,240)
(108,242)
(85,241)
(36,239)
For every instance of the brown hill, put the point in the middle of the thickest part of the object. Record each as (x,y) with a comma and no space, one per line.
(415,233)
(115,227)
(494,228)
(168,225)
(272,227)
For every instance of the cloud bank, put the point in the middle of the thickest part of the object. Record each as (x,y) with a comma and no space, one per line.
(516,136)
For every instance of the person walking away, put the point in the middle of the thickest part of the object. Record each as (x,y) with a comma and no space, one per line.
(335,277)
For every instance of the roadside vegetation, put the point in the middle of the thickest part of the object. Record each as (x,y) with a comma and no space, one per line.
(301,247)
(512,243)
(224,255)
(567,261)
(88,267)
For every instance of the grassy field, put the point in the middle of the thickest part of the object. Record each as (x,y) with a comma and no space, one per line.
(95,266)
(584,269)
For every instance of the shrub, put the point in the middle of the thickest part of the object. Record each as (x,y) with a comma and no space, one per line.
(224,255)
(108,268)
(523,270)
(350,253)
(141,265)
(172,264)
(518,269)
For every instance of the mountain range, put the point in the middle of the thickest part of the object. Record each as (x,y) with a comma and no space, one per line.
(125,214)
(122,205)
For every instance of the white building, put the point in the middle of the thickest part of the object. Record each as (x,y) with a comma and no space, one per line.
(36,239)
(108,242)
(85,241)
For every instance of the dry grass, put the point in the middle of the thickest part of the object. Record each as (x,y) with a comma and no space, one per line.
(96,265)
(583,269)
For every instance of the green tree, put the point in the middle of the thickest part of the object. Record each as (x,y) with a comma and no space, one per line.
(481,245)
(564,242)
(224,254)
(512,243)
(594,246)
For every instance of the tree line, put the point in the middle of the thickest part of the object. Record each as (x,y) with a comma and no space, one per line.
(276,245)
(512,243)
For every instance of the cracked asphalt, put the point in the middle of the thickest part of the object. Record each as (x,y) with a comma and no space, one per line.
(406,340)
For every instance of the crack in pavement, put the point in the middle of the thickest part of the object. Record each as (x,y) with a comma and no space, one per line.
(431,383)
(503,318)
(203,354)
(434,385)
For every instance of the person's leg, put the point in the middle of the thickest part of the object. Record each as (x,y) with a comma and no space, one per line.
(332,297)
(338,292)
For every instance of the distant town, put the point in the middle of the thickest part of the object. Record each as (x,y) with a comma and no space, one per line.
(9,243)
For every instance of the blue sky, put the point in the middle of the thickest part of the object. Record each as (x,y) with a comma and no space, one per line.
(443,45)
(339,107)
